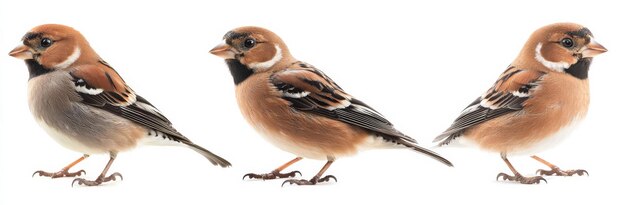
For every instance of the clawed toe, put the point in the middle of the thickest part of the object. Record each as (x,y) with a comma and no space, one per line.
(580,172)
(559,172)
(327,178)
(521,179)
(101,179)
(271,175)
(298,182)
(62,173)
(315,180)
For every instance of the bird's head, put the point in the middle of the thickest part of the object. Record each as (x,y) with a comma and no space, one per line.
(54,47)
(256,48)
(562,47)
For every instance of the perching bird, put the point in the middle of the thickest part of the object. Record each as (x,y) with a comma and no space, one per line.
(536,102)
(84,104)
(298,108)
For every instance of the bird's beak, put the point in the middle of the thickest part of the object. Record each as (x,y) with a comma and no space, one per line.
(223,50)
(593,49)
(22,52)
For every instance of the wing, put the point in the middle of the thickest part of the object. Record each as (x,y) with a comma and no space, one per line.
(310,90)
(102,87)
(507,95)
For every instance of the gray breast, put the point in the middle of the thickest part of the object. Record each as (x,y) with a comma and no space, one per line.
(58,109)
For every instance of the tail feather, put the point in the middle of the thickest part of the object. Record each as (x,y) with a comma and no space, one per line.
(411,143)
(427,152)
(216,160)
(445,138)
(430,153)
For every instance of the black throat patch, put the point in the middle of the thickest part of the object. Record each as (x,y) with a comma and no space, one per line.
(35,69)
(240,72)
(580,69)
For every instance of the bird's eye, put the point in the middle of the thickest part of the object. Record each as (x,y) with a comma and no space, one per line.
(249,43)
(46,42)
(567,42)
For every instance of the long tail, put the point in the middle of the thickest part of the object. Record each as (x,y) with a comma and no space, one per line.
(430,154)
(405,140)
(216,160)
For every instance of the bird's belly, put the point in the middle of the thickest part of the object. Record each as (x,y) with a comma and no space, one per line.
(547,142)
(518,142)
(89,130)
(288,144)
(68,141)
(310,139)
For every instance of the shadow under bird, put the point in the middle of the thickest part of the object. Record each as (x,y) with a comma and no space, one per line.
(535,103)
(84,104)
(299,109)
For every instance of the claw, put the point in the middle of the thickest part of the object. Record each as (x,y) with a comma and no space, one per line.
(298,182)
(539,171)
(271,175)
(313,181)
(521,179)
(77,180)
(62,173)
(116,174)
(98,181)
(541,179)
(503,175)
(249,175)
(327,178)
(283,184)
(558,172)
(37,172)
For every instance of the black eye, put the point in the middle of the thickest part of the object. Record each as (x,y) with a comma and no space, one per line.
(249,43)
(46,42)
(567,42)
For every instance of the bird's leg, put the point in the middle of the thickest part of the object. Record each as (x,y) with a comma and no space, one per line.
(276,173)
(102,178)
(517,176)
(65,171)
(555,170)
(316,179)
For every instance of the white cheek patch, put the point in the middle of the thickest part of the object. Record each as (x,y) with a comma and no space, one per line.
(70,59)
(267,64)
(557,66)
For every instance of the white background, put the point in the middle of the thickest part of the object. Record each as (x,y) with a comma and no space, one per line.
(419,64)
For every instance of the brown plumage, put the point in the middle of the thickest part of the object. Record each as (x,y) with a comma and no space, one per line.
(85,105)
(533,104)
(300,109)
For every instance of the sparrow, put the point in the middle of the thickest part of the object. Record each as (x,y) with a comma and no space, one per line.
(86,106)
(535,103)
(299,109)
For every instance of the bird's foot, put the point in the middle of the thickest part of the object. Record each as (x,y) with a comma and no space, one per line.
(558,172)
(272,175)
(313,181)
(101,179)
(521,179)
(62,173)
